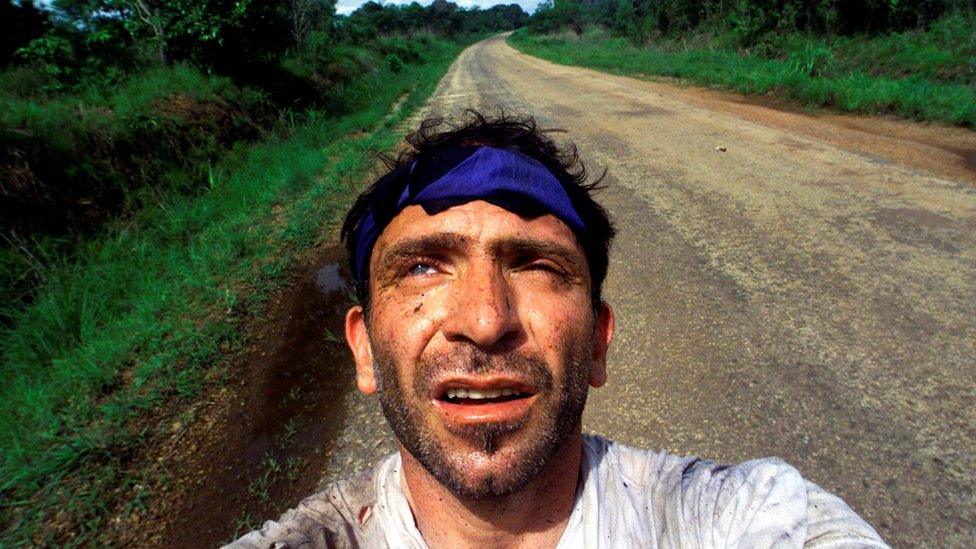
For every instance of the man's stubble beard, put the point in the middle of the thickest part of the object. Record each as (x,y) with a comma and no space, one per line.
(560,416)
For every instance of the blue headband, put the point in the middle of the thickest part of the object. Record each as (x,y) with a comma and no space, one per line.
(506,178)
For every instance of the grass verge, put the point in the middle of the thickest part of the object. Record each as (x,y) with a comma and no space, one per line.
(141,316)
(911,76)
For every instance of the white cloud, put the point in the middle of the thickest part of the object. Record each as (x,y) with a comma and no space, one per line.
(346,7)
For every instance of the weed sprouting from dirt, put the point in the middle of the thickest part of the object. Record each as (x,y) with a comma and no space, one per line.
(243,524)
(294,467)
(330,337)
(259,487)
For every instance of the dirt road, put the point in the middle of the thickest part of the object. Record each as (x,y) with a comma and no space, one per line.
(785,284)
(807,292)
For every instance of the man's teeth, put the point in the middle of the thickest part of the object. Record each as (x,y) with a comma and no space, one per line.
(475,393)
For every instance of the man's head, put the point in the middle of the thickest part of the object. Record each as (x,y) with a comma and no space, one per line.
(483,323)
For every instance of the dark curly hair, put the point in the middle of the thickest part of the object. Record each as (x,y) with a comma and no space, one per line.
(517,133)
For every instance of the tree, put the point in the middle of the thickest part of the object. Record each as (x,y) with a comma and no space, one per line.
(207,31)
(554,14)
(305,16)
(150,17)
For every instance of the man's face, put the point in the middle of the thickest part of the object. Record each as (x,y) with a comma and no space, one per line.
(481,341)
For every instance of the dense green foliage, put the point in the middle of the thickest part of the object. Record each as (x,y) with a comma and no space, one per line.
(748,22)
(440,16)
(71,70)
(106,104)
(84,155)
(161,165)
(913,59)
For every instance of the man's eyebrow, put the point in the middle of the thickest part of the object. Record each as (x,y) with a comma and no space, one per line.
(421,245)
(539,248)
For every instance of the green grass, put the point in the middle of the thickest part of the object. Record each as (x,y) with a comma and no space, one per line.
(924,76)
(140,316)
(71,162)
(945,53)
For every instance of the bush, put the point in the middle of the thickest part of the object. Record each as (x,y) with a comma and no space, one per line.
(403,47)
(812,59)
(70,163)
(26,82)
(944,52)
(394,63)
(53,56)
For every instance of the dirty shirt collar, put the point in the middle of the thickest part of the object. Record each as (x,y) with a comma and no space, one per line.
(506,178)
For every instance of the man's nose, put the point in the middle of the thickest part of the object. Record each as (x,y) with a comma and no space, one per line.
(484,311)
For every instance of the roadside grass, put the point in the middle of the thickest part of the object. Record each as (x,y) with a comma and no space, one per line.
(152,129)
(136,321)
(926,76)
(70,162)
(946,52)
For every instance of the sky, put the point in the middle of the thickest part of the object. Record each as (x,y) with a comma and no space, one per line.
(347,6)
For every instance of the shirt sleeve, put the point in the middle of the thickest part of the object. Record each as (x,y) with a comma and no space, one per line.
(761,503)
(832,523)
(273,535)
(315,523)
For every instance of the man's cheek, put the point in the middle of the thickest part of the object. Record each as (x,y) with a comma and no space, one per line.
(554,325)
(407,331)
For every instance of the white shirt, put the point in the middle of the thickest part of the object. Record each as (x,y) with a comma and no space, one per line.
(627,497)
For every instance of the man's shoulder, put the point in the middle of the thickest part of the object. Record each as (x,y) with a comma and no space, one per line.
(660,470)
(759,502)
(638,467)
(333,517)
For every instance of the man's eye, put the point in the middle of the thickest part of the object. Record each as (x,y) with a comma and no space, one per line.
(419,269)
(544,266)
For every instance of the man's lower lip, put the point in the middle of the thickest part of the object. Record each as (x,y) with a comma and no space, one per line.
(492,412)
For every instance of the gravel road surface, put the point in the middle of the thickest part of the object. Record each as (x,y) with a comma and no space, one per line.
(780,289)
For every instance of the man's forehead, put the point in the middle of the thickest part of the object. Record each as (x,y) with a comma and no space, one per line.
(508,178)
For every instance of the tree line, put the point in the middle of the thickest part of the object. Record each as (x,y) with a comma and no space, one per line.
(77,39)
(747,21)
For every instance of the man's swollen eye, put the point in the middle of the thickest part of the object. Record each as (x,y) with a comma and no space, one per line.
(419,269)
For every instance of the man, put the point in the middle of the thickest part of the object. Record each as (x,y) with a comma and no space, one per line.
(478,261)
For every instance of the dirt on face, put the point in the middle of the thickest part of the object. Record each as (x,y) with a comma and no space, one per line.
(260,438)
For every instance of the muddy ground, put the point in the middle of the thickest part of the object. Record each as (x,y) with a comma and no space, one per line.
(263,435)
(786,283)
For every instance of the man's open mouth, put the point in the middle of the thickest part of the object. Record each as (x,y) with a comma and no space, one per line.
(461,395)
(479,401)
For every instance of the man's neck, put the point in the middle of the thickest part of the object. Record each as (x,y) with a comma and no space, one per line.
(532,517)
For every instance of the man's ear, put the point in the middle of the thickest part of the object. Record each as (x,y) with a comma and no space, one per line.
(605,323)
(358,339)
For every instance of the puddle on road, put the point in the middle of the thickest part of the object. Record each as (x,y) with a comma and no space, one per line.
(267,448)
(329,279)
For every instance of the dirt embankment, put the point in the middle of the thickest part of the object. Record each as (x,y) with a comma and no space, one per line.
(257,441)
